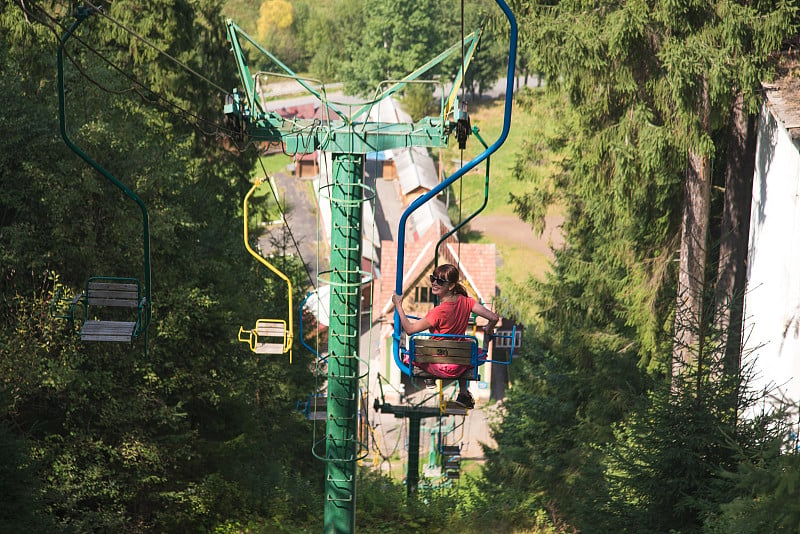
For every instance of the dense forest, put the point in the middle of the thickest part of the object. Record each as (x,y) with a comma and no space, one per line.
(625,413)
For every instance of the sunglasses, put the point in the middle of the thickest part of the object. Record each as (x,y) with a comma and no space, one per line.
(436,280)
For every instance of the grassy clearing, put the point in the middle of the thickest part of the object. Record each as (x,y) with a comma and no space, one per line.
(487,115)
(528,125)
(274,164)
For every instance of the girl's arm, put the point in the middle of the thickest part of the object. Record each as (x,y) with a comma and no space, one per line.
(408,326)
(486,313)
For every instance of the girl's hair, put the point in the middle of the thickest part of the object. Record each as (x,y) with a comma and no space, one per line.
(450,273)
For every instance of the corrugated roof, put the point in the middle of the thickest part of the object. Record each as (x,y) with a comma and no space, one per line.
(426,217)
(415,170)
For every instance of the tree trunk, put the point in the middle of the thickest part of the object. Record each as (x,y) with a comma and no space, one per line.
(688,340)
(732,274)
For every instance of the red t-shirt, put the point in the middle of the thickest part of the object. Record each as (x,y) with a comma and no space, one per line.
(449,318)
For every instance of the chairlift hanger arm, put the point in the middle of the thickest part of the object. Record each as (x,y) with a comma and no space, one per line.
(419,201)
(460,225)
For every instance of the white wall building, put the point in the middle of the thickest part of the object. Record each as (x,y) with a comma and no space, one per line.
(772,300)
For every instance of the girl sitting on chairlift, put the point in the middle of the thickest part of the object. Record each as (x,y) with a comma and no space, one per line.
(450,316)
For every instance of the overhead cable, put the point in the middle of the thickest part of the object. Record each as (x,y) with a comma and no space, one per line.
(154,47)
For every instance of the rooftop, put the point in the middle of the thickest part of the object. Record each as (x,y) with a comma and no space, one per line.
(783,95)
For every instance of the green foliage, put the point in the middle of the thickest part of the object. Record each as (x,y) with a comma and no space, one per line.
(194,432)
(384,507)
(586,434)
(277,30)
(317,38)
(558,412)
(630,77)
(663,467)
(490,61)
(418,101)
(399,37)
(487,510)
(23,501)
(621,215)
(363,42)
(329,34)
(685,462)
(244,13)
(604,451)
(767,483)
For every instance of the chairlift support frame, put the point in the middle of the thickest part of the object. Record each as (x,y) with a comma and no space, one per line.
(419,201)
(425,347)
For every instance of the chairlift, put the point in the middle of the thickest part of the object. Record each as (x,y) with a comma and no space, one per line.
(115,309)
(268,336)
(425,347)
(441,347)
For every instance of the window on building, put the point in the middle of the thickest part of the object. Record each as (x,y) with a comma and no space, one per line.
(505,342)
(423,294)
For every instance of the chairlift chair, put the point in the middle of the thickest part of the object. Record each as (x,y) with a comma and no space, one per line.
(110,292)
(425,347)
(268,336)
(108,301)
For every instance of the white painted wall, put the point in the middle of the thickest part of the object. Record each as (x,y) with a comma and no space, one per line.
(772,301)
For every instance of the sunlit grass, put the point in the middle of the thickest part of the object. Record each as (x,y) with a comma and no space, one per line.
(519,261)
(487,115)
(273,164)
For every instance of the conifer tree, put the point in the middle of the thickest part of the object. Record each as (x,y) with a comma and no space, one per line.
(655,86)
(649,95)
(195,432)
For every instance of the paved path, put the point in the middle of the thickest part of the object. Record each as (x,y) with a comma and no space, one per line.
(295,97)
(507,228)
